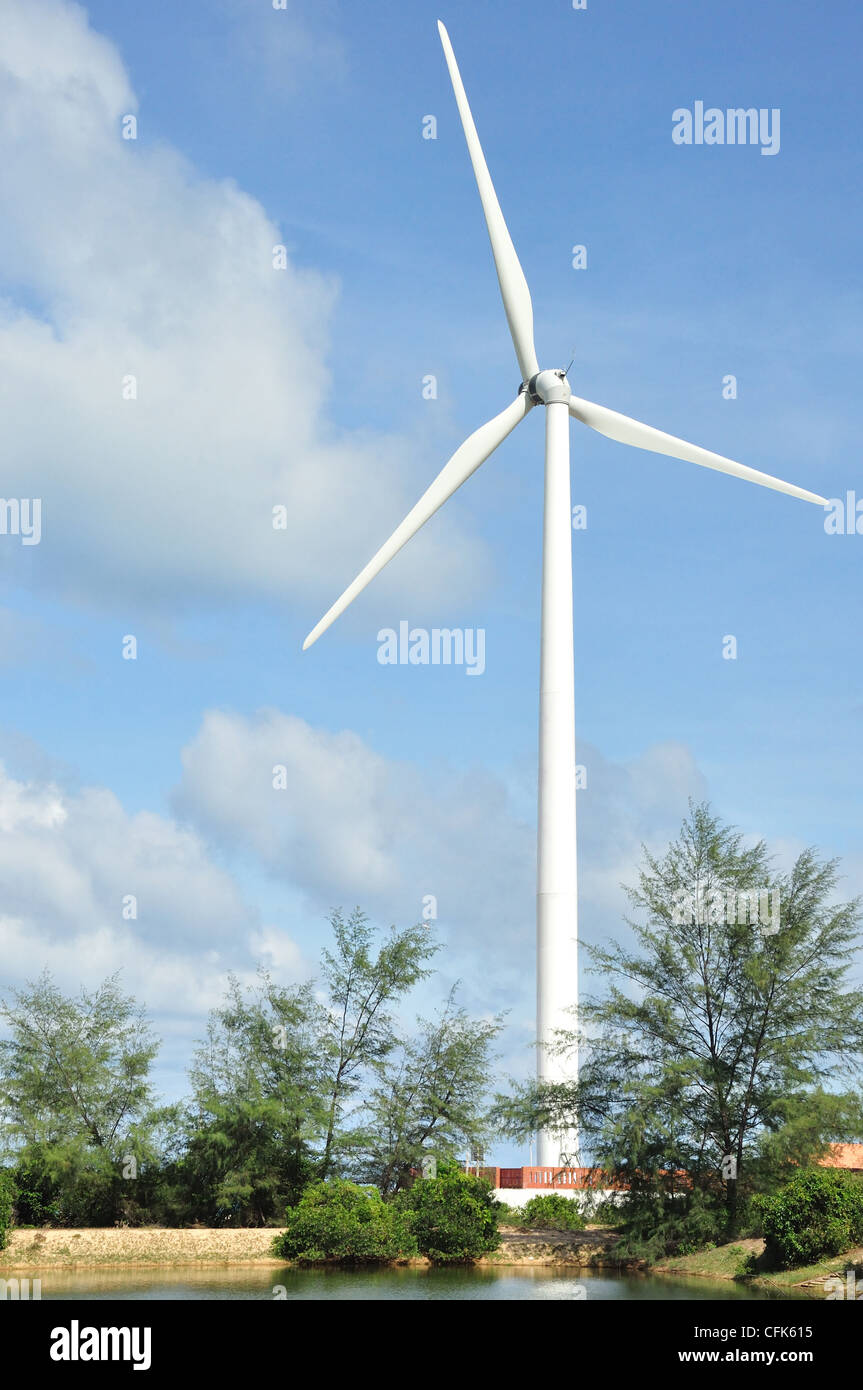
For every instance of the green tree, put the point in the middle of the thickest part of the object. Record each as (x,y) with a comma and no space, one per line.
(274,1080)
(715,1041)
(75,1098)
(364,985)
(431,1097)
(258,1109)
(8,1193)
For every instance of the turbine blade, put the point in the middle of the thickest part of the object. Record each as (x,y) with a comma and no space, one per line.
(513,285)
(628,431)
(466,460)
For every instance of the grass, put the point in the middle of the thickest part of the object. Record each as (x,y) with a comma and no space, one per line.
(726,1261)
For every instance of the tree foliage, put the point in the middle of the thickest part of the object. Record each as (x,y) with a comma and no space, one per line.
(291,1084)
(8,1193)
(258,1104)
(429,1097)
(819,1212)
(454,1216)
(338,1220)
(717,1056)
(364,985)
(76,1101)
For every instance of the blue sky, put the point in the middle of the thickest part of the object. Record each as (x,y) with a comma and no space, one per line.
(304,388)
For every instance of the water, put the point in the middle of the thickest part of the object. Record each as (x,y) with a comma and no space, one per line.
(252,1283)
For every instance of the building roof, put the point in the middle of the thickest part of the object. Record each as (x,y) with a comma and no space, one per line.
(844,1156)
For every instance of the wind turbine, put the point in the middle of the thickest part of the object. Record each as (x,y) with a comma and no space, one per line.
(556,900)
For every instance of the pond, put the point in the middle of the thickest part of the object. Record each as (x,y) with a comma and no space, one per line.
(272,1283)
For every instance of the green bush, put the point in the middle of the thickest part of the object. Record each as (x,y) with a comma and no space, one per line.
(818,1213)
(338,1220)
(509,1216)
(655,1224)
(8,1193)
(606,1213)
(553,1212)
(454,1216)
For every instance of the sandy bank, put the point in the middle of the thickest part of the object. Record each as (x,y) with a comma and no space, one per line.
(138,1247)
(153,1246)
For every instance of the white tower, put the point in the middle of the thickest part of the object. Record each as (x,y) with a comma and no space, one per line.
(556,887)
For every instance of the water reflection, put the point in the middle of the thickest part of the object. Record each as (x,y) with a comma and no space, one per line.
(277,1284)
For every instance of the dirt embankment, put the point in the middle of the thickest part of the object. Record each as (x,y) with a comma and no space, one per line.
(595,1246)
(153,1246)
(139,1246)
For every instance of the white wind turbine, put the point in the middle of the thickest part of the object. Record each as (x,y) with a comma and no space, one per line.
(556,901)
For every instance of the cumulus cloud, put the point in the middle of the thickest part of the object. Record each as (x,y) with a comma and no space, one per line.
(327,812)
(347,825)
(69,865)
(343,825)
(120,261)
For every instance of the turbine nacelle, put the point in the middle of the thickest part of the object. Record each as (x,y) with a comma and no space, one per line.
(549,386)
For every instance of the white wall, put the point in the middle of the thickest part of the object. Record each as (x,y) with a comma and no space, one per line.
(519,1196)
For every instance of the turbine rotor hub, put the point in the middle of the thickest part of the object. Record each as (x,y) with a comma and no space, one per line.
(547,387)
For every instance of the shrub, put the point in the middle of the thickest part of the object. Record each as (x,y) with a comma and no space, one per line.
(8,1193)
(818,1213)
(746,1263)
(454,1216)
(338,1220)
(656,1224)
(606,1213)
(553,1212)
(509,1216)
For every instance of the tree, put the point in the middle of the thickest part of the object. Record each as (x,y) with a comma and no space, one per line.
(8,1193)
(716,1057)
(430,1097)
(258,1110)
(75,1097)
(273,1081)
(363,988)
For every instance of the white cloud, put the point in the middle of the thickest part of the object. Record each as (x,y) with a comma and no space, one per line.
(351,826)
(20,807)
(121,260)
(67,863)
